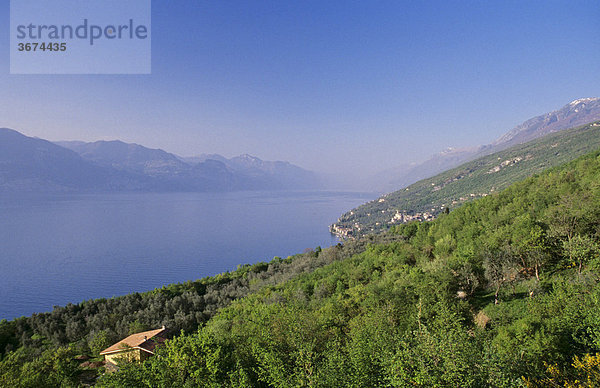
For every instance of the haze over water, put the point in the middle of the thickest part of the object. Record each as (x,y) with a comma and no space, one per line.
(68,248)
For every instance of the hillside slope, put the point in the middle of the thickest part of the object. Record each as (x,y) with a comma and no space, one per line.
(501,292)
(90,326)
(427,198)
(577,112)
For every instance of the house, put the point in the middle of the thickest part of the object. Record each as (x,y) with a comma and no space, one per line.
(136,347)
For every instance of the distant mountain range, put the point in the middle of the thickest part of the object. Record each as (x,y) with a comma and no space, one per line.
(32,164)
(35,164)
(483,176)
(454,176)
(577,112)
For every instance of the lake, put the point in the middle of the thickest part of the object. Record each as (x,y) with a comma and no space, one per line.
(59,249)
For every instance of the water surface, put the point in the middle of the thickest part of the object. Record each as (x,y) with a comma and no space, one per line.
(67,248)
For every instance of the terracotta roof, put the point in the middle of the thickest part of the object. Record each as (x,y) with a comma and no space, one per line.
(143,341)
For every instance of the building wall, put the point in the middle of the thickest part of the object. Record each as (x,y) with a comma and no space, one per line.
(126,355)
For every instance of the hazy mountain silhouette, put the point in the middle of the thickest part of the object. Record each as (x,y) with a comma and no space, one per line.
(32,164)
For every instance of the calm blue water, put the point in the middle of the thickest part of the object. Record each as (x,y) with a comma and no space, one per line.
(68,248)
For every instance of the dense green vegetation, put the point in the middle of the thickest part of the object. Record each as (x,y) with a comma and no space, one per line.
(27,343)
(473,180)
(503,291)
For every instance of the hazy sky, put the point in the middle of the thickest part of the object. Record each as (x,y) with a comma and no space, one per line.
(328,85)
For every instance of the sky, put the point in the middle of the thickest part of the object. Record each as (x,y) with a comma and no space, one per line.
(333,86)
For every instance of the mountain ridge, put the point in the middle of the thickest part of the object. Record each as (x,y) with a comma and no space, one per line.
(245,171)
(28,163)
(425,199)
(33,164)
(577,112)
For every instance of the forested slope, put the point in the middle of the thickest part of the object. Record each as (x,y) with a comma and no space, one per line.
(481,177)
(503,291)
(39,350)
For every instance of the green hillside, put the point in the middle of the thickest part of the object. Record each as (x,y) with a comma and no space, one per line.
(427,198)
(40,341)
(501,292)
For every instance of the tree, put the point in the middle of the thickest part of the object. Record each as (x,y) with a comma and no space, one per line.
(580,250)
(101,341)
(499,268)
(575,213)
(530,243)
